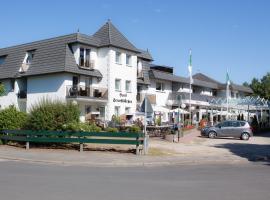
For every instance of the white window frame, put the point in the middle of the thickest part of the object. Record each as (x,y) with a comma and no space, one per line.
(128,60)
(127,110)
(119,61)
(162,86)
(117,89)
(117,111)
(129,89)
(84,57)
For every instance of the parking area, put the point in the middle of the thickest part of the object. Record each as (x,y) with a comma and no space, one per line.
(256,148)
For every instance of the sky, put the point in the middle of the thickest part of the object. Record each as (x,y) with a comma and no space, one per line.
(231,35)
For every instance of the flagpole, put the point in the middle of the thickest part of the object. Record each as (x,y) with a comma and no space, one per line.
(227,93)
(190,82)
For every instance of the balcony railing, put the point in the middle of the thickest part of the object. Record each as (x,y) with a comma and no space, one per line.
(173,97)
(78,91)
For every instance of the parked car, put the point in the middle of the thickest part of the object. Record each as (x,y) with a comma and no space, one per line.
(237,129)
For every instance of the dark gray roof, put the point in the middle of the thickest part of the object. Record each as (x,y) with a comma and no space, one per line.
(203,77)
(109,35)
(167,76)
(145,55)
(50,56)
(233,86)
(171,77)
(237,87)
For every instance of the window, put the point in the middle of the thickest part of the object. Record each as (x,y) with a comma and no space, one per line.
(2,59)
(118,57)
(159,86)
(102,112)
(87,58)
(84,60)
(29,57)
(128,60)
(127,110)
(118,84)
(117,110)
(128,86)
(88,109)
(81,62)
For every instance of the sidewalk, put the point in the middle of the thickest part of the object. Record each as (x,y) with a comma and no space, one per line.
(191,149)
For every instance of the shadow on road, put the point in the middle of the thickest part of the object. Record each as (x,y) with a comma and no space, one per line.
(252,152)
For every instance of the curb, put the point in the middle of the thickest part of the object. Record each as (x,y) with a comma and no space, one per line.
(123,164)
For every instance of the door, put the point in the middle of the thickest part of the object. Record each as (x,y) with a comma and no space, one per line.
(225,129)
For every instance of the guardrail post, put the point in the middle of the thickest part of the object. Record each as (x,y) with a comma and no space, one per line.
(145,144)
(137,146)
(27,146)
(81,147)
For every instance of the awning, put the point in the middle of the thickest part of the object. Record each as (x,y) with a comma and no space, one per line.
(176,110)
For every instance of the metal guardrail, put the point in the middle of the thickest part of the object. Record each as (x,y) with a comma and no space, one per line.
(126,138)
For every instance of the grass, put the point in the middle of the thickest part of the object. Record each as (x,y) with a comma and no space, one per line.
(159,152)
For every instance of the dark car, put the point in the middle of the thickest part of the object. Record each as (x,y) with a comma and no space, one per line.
(237,129)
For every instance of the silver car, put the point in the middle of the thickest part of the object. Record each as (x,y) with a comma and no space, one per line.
(237,129)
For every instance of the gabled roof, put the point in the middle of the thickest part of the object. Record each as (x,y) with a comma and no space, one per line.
(145,55)
(109,35)
(50,56)
(203,77)
(233,86)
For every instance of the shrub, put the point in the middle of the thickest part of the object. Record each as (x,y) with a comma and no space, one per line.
(158,120)
(11,118)
(80,126)
(111,129)
(135,129)
(255,124)
(2,89)
(51,115)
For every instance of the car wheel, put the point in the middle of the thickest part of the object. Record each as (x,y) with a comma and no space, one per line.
(212,134)
(245,136)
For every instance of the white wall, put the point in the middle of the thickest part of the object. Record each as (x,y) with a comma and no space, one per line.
(51,87)
(10,98)
(123,72)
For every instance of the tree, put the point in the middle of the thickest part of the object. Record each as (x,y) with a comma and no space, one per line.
(260,87)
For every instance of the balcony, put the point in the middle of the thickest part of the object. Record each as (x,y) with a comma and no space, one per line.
(140,97)
(83,93)
(195,98)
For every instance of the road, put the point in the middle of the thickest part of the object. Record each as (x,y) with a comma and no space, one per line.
(26,181)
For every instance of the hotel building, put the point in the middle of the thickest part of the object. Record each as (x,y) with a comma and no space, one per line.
(104,74)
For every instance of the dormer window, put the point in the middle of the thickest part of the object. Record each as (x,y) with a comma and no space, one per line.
(29,57)
(2,59)
(84,60)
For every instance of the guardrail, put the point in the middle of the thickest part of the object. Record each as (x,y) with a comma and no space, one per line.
(126,138)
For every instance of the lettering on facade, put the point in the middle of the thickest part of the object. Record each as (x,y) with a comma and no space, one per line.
(123,95)
(122,100)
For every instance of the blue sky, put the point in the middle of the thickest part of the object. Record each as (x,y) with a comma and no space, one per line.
(222,34)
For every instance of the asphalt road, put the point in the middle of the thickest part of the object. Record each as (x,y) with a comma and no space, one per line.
(31,181)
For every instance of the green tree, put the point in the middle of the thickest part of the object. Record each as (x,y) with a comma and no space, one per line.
(260,87)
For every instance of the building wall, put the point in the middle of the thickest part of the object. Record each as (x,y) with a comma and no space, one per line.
(10,98)
(51,87)
(123,72)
